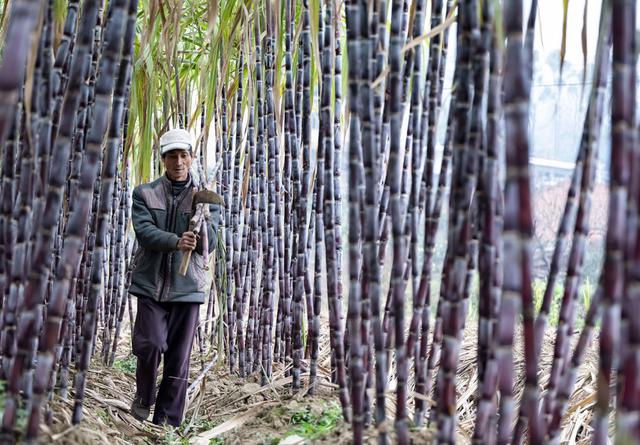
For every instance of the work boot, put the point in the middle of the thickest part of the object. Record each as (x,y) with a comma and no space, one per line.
(138,409)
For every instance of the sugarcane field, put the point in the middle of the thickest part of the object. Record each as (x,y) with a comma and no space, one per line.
(319,221)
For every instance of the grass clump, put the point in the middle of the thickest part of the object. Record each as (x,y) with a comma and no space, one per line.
(271,440)
(22,415)
(313,425)
(182,436)
(127,364)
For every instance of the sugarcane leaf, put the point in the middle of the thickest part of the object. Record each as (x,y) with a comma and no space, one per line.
(584,44)
(563,46)
(29,76)
(212,15)
(59,17)
(3,17)
(439,29)
(245,182)
(498,24)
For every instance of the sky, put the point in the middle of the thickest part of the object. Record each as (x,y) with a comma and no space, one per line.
(557,113)
(549,27)
(558,103)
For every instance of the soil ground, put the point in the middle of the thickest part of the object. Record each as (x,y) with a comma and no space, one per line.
(224,408)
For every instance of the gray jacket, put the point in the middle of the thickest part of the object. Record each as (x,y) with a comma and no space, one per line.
(159,219)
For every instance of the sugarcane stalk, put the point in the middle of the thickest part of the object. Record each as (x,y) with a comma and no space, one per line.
(568,378)
(28,206)
(41,122)
(255,240)
(299,289)
(42,258)
(235,216)
(622,125)
(21,29)
(485,202)
(7,223)
(123,302)
(76,230)
(355,21)
(518,230)
(430,113)
(260,147)
(245,283)
(62,61)
(396,204)
(227,232)
(287,184)
(271,252)
(624,138)
(419,116)
(463,183)
(10,187)
(435,73)
(591,136)
(338,141)
(490,266)
(432,355)
(117,47)
(324,139)
(381,43)
(336,148)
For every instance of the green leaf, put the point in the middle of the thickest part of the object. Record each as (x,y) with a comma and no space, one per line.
(563,46)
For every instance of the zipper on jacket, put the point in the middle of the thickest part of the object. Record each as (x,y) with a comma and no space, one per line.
(165,259)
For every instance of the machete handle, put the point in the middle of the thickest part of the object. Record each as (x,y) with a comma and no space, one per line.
(194,226)
(184,264)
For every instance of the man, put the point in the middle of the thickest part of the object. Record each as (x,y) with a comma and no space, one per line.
(168,303)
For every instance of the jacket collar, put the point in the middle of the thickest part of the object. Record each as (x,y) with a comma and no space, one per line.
(167,185)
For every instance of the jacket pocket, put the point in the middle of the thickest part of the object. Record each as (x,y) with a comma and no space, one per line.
(182,222)
(137,257)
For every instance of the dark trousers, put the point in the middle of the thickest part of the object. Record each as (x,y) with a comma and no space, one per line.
(164,328)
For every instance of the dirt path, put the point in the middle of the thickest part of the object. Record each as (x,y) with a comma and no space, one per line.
(224,408)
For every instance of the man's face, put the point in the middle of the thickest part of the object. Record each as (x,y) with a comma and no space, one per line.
(177,163)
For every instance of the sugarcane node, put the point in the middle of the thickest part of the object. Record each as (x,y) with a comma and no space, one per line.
(200,198)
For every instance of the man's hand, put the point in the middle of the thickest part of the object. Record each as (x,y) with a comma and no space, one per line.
(187,242)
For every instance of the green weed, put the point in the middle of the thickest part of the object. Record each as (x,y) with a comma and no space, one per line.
(538,287)
(312,425)
(179,436)
(127,365)
(172,436)
(585,294)
(199,425)
(270,441)
(21,419)
(104,416)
